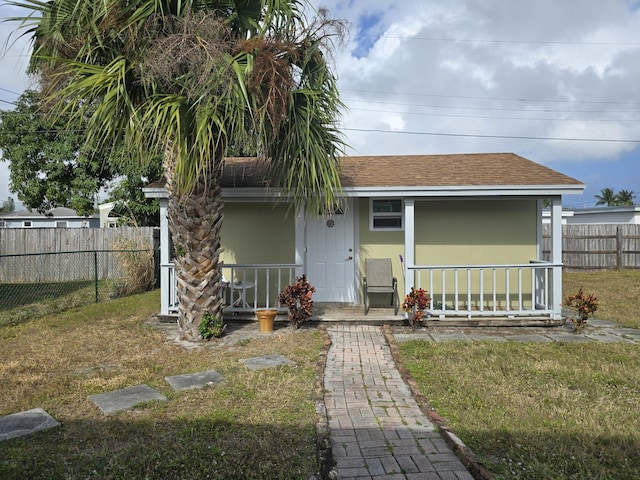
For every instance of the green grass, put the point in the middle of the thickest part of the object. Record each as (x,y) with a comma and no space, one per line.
(543,411)
(21,302)
(256,425)
(618,293)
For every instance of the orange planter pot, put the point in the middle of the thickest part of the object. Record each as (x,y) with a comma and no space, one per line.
(266,318)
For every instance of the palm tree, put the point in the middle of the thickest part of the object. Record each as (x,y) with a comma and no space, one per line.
(625,197)
(606,197)
(197,78)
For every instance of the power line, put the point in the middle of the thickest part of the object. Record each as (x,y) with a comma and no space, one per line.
(9,91)
(498,118)
(525,42)
(515,137)
(470,97)
(455,107)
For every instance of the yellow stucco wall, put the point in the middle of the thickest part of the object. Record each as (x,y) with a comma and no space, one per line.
(475,232)
(258,233)
(255,232)
(459,232)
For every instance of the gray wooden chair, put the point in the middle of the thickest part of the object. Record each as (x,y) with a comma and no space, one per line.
(378,278)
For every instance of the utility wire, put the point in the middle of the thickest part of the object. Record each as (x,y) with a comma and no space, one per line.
(470,97)
(516,137)
(497,118)
(526,42)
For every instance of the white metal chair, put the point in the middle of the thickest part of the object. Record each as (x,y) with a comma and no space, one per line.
(378,278)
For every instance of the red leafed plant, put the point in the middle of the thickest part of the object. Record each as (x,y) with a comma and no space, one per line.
(297,298)
(584,306)
(415,303)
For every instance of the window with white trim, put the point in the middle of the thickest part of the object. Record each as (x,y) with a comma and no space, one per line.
(62,224)
(26,224)
(386,214)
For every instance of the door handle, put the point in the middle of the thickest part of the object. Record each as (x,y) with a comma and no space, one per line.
(349,257)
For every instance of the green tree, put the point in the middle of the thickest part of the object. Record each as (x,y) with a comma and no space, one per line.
(49,165)
(606,197)
(52,165)
(198,78)
(625,197)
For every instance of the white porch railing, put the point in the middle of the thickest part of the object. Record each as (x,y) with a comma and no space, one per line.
(488,290)
(246,286)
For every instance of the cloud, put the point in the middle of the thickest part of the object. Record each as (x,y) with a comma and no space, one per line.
(469,75)
(543,69)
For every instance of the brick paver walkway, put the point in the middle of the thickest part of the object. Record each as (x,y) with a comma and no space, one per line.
(377,429)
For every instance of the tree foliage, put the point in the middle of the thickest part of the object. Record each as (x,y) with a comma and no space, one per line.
(52,165)
(198,80)
(608,197)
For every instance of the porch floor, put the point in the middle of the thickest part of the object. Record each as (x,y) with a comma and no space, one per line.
(354,314)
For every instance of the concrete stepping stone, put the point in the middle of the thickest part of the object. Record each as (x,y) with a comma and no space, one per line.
(533,338)
(630,333)
(569,338)
(190,381)
(492,338)
(407,337)
(266,361)
(25,423)
(447,337)
(125,398)
(608,338)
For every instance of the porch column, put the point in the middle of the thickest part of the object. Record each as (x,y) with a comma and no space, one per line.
(165,257)
(300,241)
(539,227)
(556,255)
(409,243)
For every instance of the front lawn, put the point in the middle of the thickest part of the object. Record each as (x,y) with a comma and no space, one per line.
(544,411)
(257,425)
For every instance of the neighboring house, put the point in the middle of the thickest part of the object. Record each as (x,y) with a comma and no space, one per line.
(59,217)
(546,216)
(106,220)
(623,214)
(468,228)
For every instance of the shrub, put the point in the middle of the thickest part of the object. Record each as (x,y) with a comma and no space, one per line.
(584,307)
(415,303)
(297,298)
(137,266)
(211,326)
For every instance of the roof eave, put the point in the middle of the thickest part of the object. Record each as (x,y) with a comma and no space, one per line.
(467,190)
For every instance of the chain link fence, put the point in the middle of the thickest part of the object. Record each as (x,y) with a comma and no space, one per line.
(43,283)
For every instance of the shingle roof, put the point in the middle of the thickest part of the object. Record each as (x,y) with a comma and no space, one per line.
(474,169)
(397,171)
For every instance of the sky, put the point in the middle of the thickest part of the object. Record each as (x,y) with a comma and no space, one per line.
(555,81)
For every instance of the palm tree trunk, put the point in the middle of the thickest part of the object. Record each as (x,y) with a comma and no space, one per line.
(195,219)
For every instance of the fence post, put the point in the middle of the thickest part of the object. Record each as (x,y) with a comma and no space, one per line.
(95,272)
(619,248)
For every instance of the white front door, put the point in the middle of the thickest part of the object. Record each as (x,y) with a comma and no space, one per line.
(330,263)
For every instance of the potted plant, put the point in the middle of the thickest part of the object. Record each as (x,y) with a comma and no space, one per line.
(584,306)
(297,298)
(266,318)
(415,303)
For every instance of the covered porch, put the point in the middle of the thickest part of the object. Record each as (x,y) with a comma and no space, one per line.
(515,294)
(474,244)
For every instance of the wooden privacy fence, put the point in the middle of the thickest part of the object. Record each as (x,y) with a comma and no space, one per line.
(42,255)
(596,247)
(15,241)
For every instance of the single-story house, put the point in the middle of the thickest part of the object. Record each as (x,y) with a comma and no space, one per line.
(465,227)
(60,217)
(627,214)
